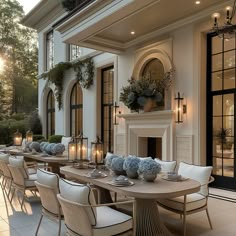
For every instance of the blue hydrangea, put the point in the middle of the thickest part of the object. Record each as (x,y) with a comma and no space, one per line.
(131,163)
(108,159)
(150,166)
(117,164)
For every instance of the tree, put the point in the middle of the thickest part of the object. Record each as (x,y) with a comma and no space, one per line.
(18,48)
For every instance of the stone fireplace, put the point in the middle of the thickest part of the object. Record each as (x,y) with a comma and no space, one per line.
(140,126)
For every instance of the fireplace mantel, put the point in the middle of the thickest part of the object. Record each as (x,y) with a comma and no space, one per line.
(148,115)
(149,124)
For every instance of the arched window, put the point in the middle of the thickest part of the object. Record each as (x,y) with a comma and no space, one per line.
(76,110)
(50,114)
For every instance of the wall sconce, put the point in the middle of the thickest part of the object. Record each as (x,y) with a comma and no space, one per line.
(180,108)
(17,138)
(116,112)
(97,152)
(29,136)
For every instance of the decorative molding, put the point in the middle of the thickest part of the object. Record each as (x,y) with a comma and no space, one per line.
(149,124)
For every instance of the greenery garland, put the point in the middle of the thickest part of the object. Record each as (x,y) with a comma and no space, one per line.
(85,74)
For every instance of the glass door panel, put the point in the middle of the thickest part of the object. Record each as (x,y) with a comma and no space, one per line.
(221,97)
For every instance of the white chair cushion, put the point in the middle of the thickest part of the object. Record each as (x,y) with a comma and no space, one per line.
(111,222)
(193,201)
(31,171)
(200,173)
(30,181)
(4,157)
(49,179)
(65,141)
(16,161)
(81,194)
(167,166)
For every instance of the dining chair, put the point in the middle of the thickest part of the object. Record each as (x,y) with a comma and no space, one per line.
(84,217)
(48,186)
(166,166)
(195,202)
(22,181)
(6,174)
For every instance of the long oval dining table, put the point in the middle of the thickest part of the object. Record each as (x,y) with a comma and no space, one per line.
(148,222)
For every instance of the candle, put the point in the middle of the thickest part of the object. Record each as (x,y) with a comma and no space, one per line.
(72,151)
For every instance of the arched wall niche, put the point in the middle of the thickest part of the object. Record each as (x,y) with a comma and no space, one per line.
(167,63)
(147,57)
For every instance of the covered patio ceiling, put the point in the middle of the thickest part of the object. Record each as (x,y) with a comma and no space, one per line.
(108,25)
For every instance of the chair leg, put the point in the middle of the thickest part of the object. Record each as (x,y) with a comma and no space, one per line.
(209,219)
(12,195)
(59,230)
(40,220)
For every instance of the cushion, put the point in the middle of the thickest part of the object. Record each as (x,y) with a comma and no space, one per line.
(194,201)
(4,157)
(79,193)
(30,181)
(111,222)
(48,178)
(167,166)
(200,173)
(65,141)
(16,161)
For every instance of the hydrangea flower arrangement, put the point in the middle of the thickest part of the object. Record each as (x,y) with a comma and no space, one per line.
(149,166)
(117,164)
(131,163)
(108,159)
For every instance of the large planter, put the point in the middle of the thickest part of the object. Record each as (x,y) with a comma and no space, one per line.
(149,105)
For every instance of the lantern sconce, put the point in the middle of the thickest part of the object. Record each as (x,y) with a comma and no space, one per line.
(116,113)
(17,138)
(180,108)
(29,136)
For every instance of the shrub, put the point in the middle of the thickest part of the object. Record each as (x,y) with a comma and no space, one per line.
(34,123)
(55,138)
(39,138)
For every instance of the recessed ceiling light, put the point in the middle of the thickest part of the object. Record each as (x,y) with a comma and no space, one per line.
(197,2)
(132,32)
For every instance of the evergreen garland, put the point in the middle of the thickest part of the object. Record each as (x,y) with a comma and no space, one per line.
(85,74)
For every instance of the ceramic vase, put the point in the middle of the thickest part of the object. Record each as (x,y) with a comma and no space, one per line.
(132,174)
(149,177)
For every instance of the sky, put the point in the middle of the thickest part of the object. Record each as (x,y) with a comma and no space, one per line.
(28,4)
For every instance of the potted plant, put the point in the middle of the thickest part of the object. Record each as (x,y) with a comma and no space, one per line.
(131,165)
(145,92)
(149,169)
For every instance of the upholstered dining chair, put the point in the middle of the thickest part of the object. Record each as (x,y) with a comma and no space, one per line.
(166,166)
(84,217)
(22,181)
(6,174)
(48,186)
(195,202)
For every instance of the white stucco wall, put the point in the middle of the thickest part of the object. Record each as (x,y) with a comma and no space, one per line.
(183,47)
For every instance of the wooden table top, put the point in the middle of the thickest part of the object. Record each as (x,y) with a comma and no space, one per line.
(160,188)
(39,157)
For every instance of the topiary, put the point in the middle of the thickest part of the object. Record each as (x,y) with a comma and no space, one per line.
(55,138)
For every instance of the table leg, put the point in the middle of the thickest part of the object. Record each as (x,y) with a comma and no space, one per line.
(148,222)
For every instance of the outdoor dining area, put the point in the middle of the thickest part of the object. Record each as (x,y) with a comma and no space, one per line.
(110,196)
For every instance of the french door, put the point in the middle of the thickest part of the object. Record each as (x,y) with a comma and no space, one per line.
(107,109)
(221,97)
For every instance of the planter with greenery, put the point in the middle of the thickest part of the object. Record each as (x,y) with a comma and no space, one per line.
(143,93)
